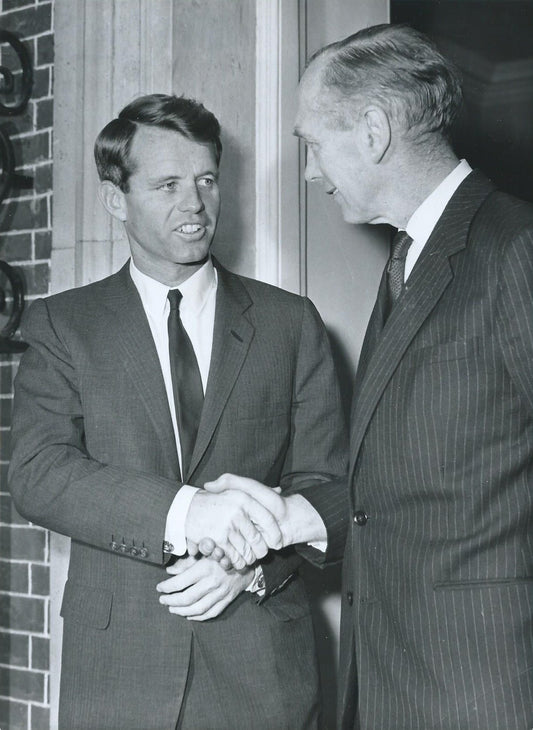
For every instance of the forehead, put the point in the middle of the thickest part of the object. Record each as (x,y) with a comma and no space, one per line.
(315,108)
(157,148)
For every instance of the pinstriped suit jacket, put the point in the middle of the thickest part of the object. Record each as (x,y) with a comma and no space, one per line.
(95,458)
(437,618)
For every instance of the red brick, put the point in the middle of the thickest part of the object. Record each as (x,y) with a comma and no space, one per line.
(28,21)
(6,373)
(15,247)
(8,513)
(14,576)
(15,4)
(40,718)
(31,149)
(42,180)
(3,473)
(21,123)
(23,543)
(20,613)
(43,244)
(5,448)
(45,49)
(45,113)
(42,82)
(36,277)
(20,215)
(40,580)
(5,412)
(14,649)
(23,684)
(13,714)
(40,653)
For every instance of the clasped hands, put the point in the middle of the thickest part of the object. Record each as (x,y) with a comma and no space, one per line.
(234,521)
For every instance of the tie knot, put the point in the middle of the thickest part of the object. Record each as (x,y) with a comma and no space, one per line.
(174,297)
(400,245)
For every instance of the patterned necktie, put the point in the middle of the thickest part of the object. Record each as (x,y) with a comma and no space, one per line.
(186,381)
(396,266)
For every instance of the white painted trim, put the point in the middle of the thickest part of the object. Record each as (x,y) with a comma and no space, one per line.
(156,34)
(277,187)
(267,134)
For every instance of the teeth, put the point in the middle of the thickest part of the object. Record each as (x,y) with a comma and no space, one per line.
(190,228)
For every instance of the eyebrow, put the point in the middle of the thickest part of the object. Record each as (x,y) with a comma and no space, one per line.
(173,176)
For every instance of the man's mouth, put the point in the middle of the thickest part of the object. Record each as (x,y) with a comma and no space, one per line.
(190,228)
(332,191)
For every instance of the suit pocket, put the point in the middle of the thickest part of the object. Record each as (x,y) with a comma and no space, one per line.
(87,605)
(465,585)
(290,603)
(458,350)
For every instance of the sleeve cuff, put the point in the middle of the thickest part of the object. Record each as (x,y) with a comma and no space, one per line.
(175,541)
(321,545)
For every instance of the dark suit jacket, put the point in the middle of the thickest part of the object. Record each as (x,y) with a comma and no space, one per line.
(95,458)
(437,618)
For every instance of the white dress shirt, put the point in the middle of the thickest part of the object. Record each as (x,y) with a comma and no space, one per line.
(421,224)
(197,311)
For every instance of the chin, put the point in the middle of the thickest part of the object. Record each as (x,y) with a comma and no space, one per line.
(196,255)
(352,218)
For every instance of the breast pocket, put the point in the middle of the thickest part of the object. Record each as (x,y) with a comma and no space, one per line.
(447,351)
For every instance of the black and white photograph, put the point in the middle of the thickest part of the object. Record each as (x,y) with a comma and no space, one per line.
(266,365)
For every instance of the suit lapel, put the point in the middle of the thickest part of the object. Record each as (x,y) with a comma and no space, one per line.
(232,336)
(137,357)
(373,330)
(429,279)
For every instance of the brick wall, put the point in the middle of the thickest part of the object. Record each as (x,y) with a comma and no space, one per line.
(25,242)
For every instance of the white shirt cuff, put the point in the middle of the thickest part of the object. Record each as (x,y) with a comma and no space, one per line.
(321,545)
(175,541)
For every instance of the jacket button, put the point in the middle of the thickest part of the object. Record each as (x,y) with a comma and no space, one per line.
(143,552)
(360,518)
(134,551)
(349,598)
(113,545)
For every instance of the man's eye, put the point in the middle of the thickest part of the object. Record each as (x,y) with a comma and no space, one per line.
(169,186)
(206,182)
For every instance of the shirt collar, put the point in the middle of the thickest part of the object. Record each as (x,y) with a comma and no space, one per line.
(421,224)
(195,289)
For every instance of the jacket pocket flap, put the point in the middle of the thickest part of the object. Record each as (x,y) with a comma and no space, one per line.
(87,605)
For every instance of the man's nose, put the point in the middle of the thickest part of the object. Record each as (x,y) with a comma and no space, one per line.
(312,171)
(190,200)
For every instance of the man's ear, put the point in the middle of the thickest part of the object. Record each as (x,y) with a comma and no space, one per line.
(113,200)
(377,132)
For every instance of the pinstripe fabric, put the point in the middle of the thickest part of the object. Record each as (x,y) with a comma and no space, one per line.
(95,458)
(442,462)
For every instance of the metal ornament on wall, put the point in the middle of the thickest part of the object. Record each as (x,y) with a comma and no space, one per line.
(11,307)
(15,85)
(15,91)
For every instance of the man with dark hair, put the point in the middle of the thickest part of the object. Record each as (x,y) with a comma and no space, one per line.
(437,605)
(134,391)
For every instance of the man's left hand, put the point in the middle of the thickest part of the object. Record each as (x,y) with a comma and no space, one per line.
(200,589)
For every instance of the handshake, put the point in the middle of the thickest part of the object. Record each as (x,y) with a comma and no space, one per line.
(236,521)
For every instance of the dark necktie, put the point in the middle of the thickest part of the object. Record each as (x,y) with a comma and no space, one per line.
(186,381)
(396,266)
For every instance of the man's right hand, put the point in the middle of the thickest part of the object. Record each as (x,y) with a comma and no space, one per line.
(297,520)
(240,525)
